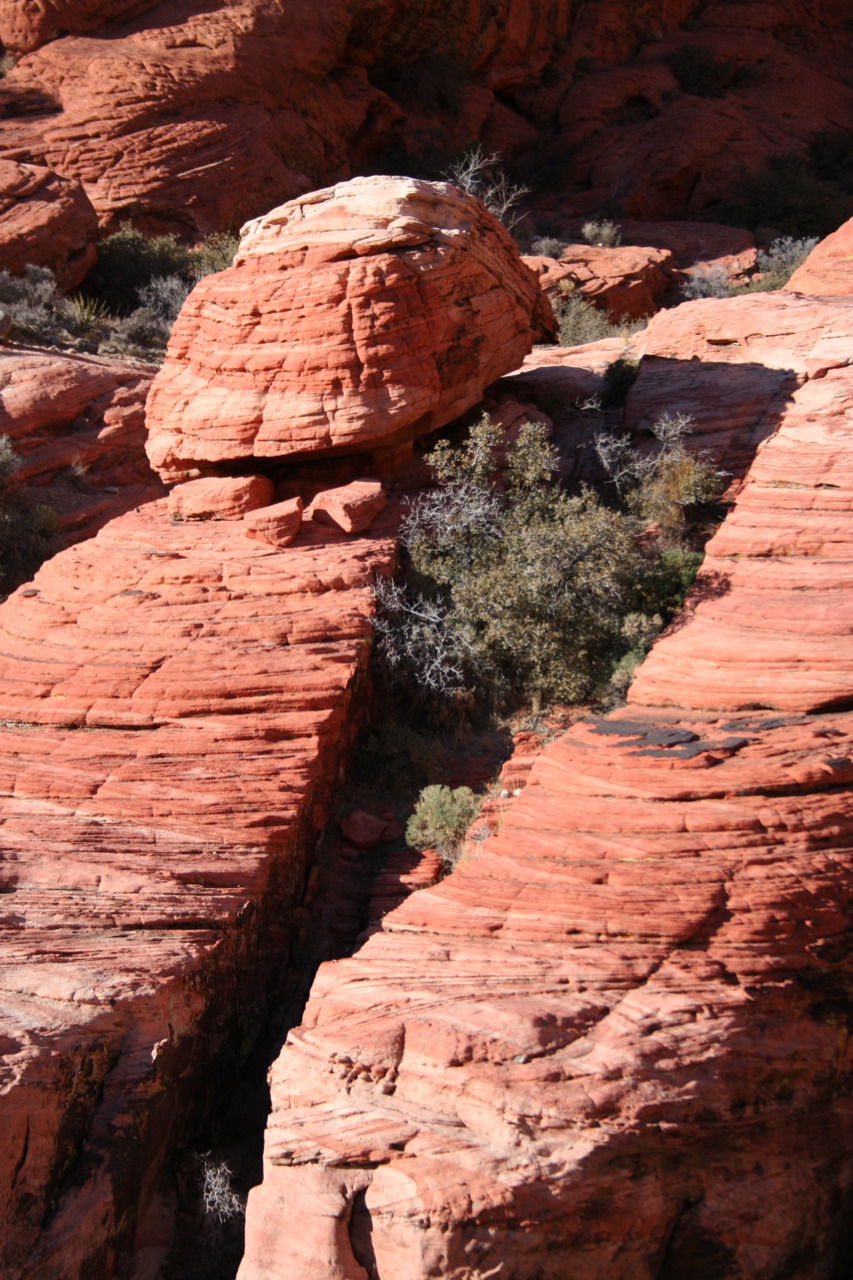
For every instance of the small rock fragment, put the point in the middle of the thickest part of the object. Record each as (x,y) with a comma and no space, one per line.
(219,498)
(352,508)
(278,525)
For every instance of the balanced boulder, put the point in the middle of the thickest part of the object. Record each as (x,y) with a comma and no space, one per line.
(366,314)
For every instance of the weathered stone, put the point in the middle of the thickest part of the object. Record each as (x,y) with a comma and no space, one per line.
(277,525)
(177,703)
(46,221)
(220,498)
(628,283)
(363,315)
(828,270)
(363,829)
(352,508)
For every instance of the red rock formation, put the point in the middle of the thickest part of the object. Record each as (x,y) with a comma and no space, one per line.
(627,283)
(47,221)
(352,508)
(828,270)
(364,315)
(176,704)
(614,1042)
(77,425)
(196,118)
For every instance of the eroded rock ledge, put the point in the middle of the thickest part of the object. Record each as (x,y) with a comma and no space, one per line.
(615,1043)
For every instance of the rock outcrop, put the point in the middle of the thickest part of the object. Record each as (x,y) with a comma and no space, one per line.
(614,1042)
(77,425)
(628,283)
(46,221)
(191,118)
(177,701)
(828,270)
(359,316)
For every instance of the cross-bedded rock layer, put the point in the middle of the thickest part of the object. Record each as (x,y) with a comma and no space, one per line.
(615,1042)
(366,314)
(177,701)
(188,116)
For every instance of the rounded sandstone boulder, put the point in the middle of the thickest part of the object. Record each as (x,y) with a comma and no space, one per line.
(365,314)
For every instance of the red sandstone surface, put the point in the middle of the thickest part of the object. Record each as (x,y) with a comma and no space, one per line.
(47,221)
(195,118)
(176,701)
(628,283)
(613,1041)
(828,270)
(362,315)
(77,425)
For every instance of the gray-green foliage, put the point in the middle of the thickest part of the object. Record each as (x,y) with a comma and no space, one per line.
(442,816)
(27,528)
(581,322)
(520,590)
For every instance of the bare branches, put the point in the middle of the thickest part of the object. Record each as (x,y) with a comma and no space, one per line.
(479,174)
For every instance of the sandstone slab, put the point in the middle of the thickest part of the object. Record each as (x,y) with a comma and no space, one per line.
(352,508)
(828,270)
(220,498)
(277,524)
(365,314)
(177,704)
(628,283)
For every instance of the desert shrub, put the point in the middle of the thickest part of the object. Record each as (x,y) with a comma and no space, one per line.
(517,590)
(129,262)
(442,816)
(479,173)
(27,528)
(164,296)
(660,486)
(699,72)
(142,328)
(601,232)
(7,62)
(221,1202)
(215,253)
(581,322)
(548,246)
(706,282)
(779,262)
(32,302)
(619,378)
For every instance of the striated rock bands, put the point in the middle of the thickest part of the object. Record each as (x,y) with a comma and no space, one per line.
(45,221)
(362,315)
(614,1043)
(176,704)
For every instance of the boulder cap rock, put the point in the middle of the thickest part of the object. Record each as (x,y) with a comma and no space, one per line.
(364,314)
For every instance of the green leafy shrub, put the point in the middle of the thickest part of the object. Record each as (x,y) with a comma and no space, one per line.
(699,72)
(581,322)
(128,263)
(602,232)
(518,590)
(442,816)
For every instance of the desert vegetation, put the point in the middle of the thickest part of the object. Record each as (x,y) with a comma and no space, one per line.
(774,267)
(27,527)
(515,591)
(128,304)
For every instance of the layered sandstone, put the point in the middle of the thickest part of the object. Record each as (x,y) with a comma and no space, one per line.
(612,1042)
(192,118)
(46,221)
(177,701)
(77,426)
(362,315)
(828,270)
(628,283)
